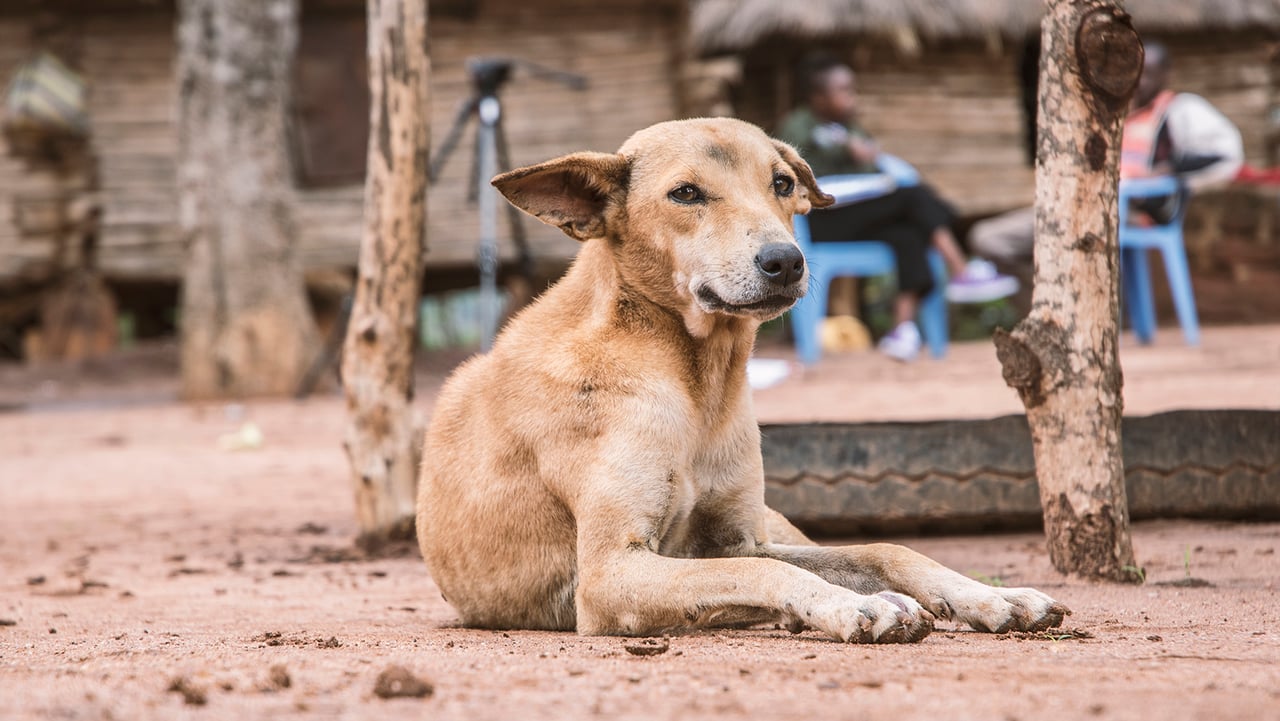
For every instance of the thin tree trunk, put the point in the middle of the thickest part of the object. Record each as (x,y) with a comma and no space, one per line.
(383,435)
(1062,358)
(246,326)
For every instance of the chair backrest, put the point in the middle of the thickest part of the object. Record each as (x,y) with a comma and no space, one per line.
(801,225)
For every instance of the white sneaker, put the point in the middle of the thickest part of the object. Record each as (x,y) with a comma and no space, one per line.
(979,283)
(902,343)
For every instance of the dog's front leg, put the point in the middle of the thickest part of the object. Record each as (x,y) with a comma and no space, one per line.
(626,588)
(944,592)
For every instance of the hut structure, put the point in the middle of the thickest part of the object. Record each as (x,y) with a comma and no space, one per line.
(630,52)
(950,85)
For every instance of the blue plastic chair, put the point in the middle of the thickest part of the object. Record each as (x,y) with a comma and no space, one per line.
(861,259)
(1135,273)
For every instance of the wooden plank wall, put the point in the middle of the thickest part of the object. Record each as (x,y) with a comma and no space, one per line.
(628,50)
(129,68)
(625,52)
(14,255)
(956,114)
(1232,72)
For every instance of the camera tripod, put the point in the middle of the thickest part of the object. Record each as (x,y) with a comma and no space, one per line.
(491,155)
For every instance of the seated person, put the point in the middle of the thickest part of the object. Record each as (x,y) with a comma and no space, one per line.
(909,219)
(1165,133)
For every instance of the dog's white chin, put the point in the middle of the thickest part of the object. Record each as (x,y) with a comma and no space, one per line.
(760,314)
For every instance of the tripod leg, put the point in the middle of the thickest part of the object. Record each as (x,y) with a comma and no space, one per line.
(473,178)
(514,217)
(330,355)
(451,138)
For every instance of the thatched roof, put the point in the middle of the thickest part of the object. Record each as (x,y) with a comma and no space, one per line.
(723,25)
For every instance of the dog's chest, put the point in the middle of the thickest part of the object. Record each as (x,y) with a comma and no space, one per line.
(696,517)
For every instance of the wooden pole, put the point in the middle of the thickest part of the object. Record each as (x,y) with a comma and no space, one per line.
(383,435)
(1062,358)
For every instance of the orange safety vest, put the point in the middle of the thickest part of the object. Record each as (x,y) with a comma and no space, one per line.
(1141,133)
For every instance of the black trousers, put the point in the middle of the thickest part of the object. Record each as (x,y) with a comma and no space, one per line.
(904,219)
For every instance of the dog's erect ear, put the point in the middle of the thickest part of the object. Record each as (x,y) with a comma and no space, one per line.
(570,192)
(816,197)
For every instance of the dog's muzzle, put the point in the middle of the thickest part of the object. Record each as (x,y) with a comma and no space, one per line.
(778,282)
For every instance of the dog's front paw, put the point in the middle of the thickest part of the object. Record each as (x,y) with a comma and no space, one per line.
(1000,610)
(883,618)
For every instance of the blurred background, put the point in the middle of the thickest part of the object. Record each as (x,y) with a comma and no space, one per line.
(88,200)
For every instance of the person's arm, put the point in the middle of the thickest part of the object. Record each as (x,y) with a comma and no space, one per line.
(1207,149)
(862,149)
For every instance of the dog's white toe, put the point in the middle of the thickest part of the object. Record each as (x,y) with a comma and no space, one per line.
(1000,610)
(882,618)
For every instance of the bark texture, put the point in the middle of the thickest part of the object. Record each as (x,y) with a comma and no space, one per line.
(246,326)
(383,435)
(1062,359)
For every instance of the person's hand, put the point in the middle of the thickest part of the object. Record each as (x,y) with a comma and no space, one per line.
(863,150)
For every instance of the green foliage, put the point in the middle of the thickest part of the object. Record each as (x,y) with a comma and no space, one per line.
(976,321)
(1138,571)
(970,321)
(984,578)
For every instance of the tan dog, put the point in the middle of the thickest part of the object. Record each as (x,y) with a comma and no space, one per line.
(600,469)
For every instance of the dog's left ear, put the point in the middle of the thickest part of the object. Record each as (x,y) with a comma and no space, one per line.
(812,193)
(570,192)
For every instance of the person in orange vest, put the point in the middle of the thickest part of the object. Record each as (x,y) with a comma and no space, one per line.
(1165,133)
(1175,133)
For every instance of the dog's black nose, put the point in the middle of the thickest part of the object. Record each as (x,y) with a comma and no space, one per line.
(781,263)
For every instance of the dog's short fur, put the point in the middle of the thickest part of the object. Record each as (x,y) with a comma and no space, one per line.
(600,469)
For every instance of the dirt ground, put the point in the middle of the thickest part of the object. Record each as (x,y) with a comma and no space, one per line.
(139,555)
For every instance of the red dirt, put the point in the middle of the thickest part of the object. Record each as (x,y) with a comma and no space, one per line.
(137,556)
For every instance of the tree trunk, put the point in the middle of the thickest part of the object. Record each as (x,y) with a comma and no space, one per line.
(1062,358)
(246,326)
(383,435)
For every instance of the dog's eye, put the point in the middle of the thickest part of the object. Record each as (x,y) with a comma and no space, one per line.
(686,193)
(783,185)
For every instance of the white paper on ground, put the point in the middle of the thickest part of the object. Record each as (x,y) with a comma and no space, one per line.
(766,372)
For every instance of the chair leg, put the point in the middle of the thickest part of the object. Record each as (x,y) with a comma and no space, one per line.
(1184,298)
(806,318)
(932,315)
(1137,290)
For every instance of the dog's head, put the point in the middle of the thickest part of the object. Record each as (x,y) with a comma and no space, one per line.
(697,213)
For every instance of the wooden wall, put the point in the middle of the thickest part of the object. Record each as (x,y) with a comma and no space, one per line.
(1233,71)
(957,115)
(629,51)
(129,69)
(955,111)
